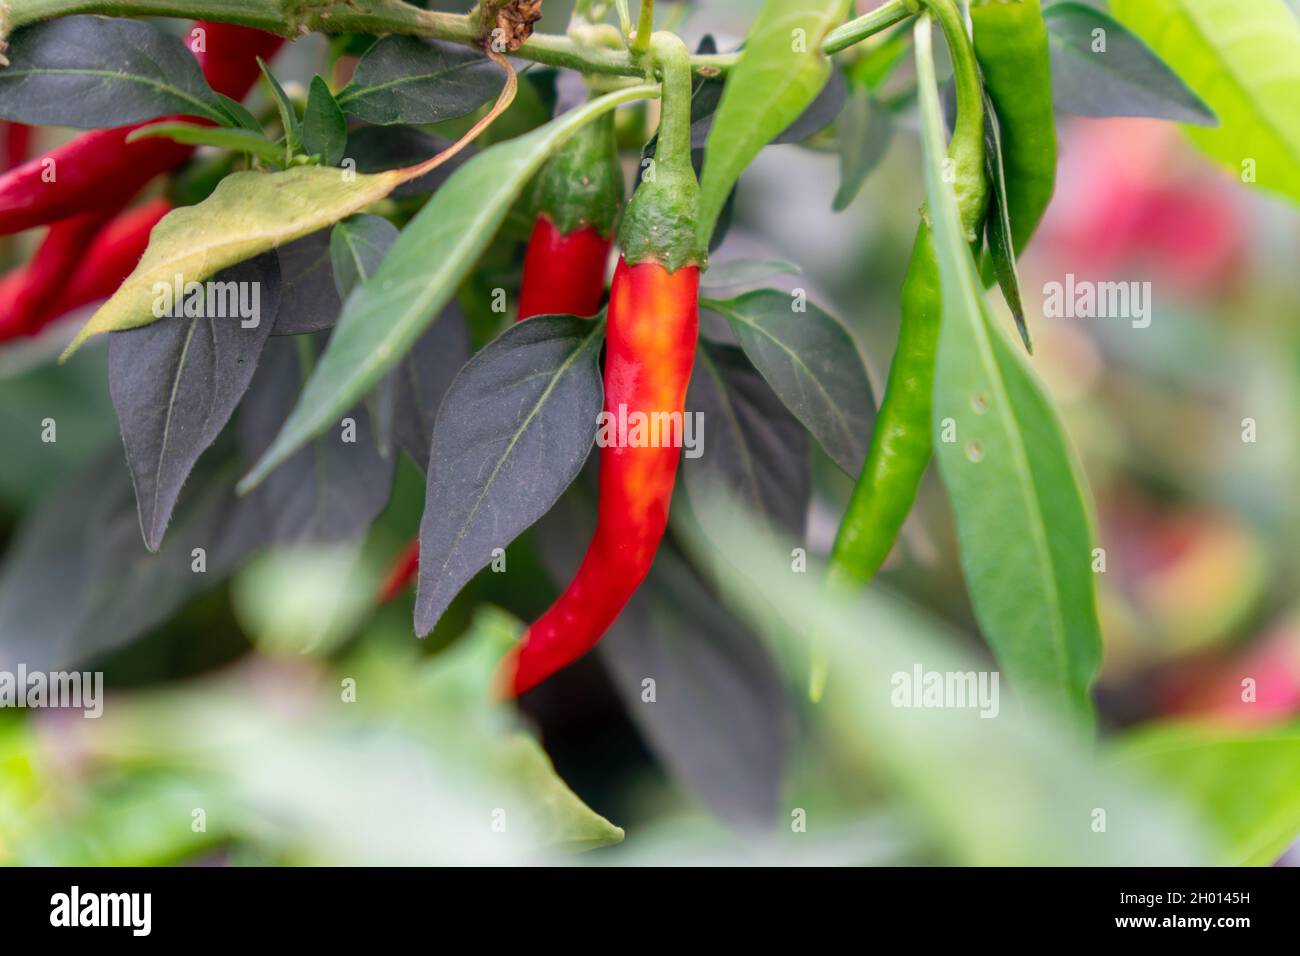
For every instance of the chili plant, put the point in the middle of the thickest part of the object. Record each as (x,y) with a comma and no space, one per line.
(364,322)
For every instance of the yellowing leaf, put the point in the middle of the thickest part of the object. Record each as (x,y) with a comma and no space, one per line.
(1243,59)
(247,214)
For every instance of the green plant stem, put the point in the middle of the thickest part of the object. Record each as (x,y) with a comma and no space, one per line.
(966,147)
(381,17)
(881,18)
(377,17)
(624,18)
(645,26)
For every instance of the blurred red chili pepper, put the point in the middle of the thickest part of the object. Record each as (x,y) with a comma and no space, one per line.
(17,138)
(404,570)
(649,353)
(27,304)
(48,272)
(100,168)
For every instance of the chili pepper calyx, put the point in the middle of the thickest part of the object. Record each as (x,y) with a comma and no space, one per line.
(583,184)
(660,225)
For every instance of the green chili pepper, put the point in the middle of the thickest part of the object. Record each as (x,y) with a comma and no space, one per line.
(1012,50)
(900,446)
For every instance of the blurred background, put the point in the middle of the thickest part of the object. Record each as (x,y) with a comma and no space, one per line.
(229,695)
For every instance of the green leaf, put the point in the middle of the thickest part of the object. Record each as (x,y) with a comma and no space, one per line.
(1123,79)
(1243,59)
(324,130)
(382,320)
(866,130)
(247,214)
(749,445)
(288,113)
(1246,785)
(779,73)
(1023,523)
(357,247)
(991,781)
(239,115)
(812,364)
(411,80)
(96,72)
(742,272)
(237,140)
(997,226)
(425,767)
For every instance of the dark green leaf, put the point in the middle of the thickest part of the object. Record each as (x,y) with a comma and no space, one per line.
(238,114)
(175,384)
(96,72)
(324,130)
(513,432)
(722,276)
(77,582)
(407,80)
(288,112)
(997,225)
(331,490)
(749,446)
(376,148)
(309,299)
(812,363)
(866,129)
(1123,78)
(422,381)
(357,247)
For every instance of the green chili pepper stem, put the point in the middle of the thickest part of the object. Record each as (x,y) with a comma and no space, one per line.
(583,184)
(966,149)
(644,27)
(881,18)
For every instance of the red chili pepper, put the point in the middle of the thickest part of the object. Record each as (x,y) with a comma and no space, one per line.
(18,140)
(580,197)
(48,272)
(28,304)
(563,274)
(100,168)
(404,570)
(649,353)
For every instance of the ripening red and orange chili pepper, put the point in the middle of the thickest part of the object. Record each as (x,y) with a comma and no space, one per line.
(650,350)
